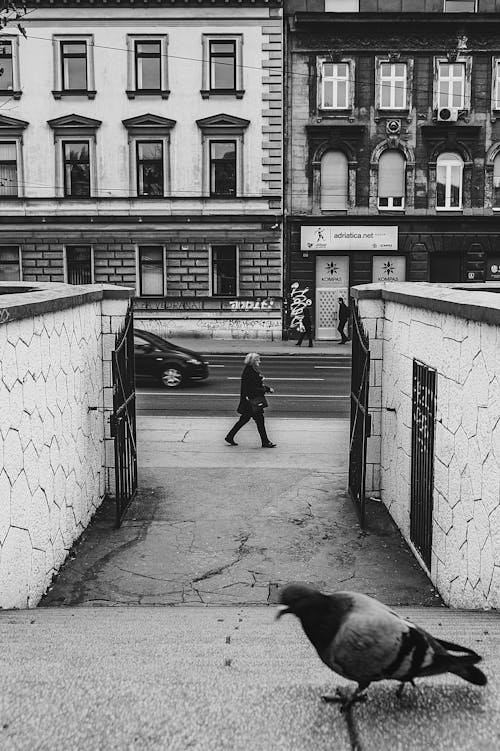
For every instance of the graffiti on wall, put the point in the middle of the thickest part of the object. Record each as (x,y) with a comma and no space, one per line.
(252,304)
(299,302)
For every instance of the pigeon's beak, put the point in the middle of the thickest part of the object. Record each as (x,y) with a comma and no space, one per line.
(282,610)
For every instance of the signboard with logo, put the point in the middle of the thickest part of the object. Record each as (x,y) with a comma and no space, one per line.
(320,237)
(332,282)
(493,269)
(389,269)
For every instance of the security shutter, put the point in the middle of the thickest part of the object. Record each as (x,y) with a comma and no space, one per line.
(334,181)
(391,174)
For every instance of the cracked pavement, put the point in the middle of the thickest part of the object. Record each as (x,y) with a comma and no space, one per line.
(217,525)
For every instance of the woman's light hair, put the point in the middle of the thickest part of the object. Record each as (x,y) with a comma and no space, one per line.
(251,358)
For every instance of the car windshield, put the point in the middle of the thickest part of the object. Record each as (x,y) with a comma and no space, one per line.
(157,340)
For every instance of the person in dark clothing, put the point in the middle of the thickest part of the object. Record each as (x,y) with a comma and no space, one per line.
(252,401)
(306,324)
(343,318)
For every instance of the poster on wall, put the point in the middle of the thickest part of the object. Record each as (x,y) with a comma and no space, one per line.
(389,269)
(319,237)
(332,283)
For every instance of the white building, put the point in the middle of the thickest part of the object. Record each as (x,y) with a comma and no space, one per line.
(141,145)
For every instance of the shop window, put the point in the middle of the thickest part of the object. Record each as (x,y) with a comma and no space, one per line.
(8,168)
(451,85)
(449,178)
(79,264)
(222,168)
(391,180)
(151,270)
(334,181)
(225,270)
(73,66)
(147,73)
(10,263)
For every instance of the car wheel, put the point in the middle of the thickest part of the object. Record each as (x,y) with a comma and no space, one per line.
(172,376)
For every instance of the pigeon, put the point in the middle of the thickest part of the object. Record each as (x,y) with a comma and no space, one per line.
(363,640)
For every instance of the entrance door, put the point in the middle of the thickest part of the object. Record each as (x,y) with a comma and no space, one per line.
(332,282)
(446,267)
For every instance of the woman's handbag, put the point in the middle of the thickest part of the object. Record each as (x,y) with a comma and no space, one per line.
(257,403)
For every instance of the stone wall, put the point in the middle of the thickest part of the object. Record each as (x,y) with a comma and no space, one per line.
(457,333)
(55,383)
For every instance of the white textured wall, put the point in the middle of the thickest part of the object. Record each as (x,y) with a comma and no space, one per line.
(466,519)
(52,448)
(268,329)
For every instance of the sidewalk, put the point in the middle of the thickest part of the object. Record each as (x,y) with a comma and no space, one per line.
(204,345)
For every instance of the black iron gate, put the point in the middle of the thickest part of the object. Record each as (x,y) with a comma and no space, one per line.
(360,419)
(422,458)
(123,427)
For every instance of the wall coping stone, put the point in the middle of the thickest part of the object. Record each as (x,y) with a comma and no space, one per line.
(49,297)
(478,301)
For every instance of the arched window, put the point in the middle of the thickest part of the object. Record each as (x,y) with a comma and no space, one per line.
(391,180)
(334,181)
(449,179)
(496,182)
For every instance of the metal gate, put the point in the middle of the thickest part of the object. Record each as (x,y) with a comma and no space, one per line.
(360,419)
(123,427)
(422,458)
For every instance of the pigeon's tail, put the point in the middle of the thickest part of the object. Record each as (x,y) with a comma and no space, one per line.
(462,666)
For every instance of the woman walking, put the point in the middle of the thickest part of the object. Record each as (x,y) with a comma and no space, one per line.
(252,401)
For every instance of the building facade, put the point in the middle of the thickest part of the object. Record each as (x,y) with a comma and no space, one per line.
(142,146)
(392,146)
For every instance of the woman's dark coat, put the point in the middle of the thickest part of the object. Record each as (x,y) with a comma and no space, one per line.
(252,386)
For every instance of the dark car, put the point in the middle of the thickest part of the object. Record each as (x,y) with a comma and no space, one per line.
(166,362)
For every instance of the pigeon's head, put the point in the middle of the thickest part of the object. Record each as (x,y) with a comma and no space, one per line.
(295,598)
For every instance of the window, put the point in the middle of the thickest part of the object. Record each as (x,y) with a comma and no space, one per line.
(459,6)
(495,93)
(341,6)
(224,270)
(223,168)
(392,82)
(8,168)
(335,85)
(222,65)
(6,66)
(76,162)
(449,172)
(334,181)
(149,168)
(391,180)
(73,66)
(451,85)
(222,69)
(10,263)
(79,264)
(151,270)
(496,182)
(147,65)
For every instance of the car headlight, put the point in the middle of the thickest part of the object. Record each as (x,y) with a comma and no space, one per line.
(195,362)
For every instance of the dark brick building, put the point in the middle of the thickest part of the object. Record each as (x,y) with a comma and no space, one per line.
(392,146)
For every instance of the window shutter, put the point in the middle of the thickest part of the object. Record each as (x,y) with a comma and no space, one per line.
(496,172)
(391,174)
(334,181)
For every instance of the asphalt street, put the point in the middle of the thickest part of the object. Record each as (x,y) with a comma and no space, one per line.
(305,386)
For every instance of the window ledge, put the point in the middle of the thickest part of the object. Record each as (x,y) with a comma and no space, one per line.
(398,209)
(76,93)
(449,209)
(11,94)
(208,93)
(163,93)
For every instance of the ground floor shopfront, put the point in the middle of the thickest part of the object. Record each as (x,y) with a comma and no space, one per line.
(325,260)
(220,278)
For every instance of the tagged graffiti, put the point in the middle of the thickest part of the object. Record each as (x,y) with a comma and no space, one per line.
(4,315)
(298,303)
(251,304)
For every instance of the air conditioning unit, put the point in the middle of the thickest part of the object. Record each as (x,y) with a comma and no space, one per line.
(393,127)
(447,114)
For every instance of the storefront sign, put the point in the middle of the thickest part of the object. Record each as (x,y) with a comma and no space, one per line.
(493,269)
(389,269)
(332,271)
(348,238)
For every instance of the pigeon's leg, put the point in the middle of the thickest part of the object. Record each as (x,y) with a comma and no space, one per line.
(347,701)
(400,691)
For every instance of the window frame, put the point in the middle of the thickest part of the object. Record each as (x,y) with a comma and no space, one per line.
(221,89)
(448,184)
(148,128)
(445,10)
(222,128)
(58,40)
(466,62)
(408,62)
(65,261)
(213,247)
(66,142)
(66,55)
(138,161)
(495,85)
(19,261)
(212,162)
(15,92)
(206,91)
(139,264)
(321,176)
(132,90)
(350,89)
(390,199)
(17,141)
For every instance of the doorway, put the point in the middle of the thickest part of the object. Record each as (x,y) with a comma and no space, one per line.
(332,282)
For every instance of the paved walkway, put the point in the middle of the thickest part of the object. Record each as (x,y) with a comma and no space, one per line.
(265,347)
